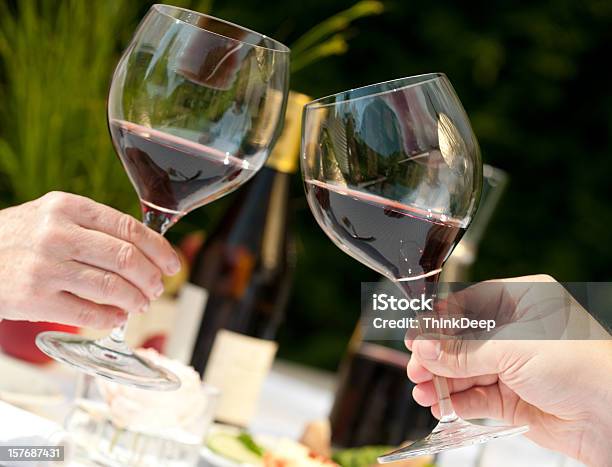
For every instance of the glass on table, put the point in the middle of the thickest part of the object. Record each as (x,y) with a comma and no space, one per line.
(115,424)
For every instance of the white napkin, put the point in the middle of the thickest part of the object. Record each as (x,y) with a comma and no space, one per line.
(21,428)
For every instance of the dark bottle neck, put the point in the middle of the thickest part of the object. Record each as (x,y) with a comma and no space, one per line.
(257,203)
(246,218)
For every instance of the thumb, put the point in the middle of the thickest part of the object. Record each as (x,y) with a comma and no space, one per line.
(462,358)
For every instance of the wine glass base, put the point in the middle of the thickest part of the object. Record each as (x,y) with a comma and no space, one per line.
(109,359)
(452,435)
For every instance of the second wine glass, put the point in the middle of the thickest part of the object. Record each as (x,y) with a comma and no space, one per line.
(393,175)
(195,106)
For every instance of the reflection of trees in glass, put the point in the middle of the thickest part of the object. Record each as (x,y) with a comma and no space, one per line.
(164,79)
(363,136)
(354,149)
(218,91)
(330,155)
(376,140)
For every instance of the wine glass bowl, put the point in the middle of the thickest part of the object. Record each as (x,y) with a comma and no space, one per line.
(393,174)
(194,107)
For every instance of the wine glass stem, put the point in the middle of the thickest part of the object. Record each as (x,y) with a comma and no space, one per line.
(447,413)
(160,222)
(118,333)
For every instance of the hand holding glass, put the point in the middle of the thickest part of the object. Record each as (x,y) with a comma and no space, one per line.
(195,106)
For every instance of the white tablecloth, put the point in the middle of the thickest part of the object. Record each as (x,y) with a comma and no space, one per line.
(292,396)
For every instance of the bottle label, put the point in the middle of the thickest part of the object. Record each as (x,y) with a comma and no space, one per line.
(284,156)
(238,366)
(189,312)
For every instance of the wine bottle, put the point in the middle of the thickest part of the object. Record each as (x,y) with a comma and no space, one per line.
(241,281)
(373,403)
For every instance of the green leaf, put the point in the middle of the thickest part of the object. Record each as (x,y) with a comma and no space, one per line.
(9,163)
(336,45)
(335,24)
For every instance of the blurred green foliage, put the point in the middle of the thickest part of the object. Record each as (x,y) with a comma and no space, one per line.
(533,77)
(55,73)
(535,81)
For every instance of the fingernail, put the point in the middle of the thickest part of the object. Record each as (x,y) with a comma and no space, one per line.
(175,265)
(428,350)
(144,308)
(159,290)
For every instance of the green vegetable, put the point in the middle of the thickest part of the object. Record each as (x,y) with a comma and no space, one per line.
(250,444)
(360,457)
(232,447)
(363,457)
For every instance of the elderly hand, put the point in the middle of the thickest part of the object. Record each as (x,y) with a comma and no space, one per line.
(67,259)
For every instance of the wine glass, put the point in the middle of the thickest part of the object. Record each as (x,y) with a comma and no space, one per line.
(393,174)
(194,107)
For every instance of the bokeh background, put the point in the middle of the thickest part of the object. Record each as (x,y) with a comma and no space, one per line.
(533,76)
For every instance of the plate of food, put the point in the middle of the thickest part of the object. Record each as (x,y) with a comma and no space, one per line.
(227,446)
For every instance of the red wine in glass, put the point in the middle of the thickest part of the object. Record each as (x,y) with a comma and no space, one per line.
(174,175)
(401,242)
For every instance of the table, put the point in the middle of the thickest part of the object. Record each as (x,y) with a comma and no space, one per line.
(294,395)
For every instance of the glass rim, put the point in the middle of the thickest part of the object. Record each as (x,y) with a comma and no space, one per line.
(163,9)
(393,85)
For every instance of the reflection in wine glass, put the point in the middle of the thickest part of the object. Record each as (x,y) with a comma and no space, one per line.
(194,107)
(393,175)
(494,182)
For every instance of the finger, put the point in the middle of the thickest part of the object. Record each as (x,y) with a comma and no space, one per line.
(493,299)
(473,403)
(416,372)
(482,300)
(96,216)
(479,402)
(461,358)
(435,411)
(76,311)
(409,340)
(99,286)
(425,393)
(111,254)
(411,335)
(422,330)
